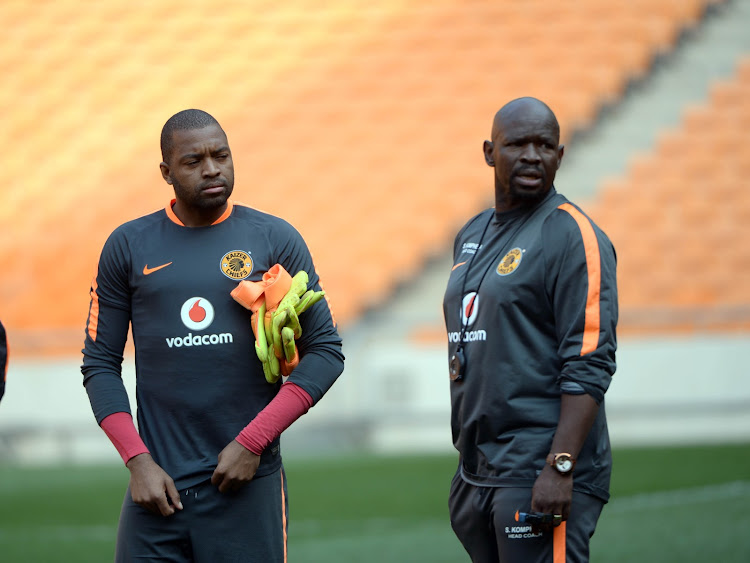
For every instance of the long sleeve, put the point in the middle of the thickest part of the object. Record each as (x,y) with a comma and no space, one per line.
(106,334)
(582,282)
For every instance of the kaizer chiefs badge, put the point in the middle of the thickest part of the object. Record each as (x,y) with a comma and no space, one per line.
(510,262)
(236,265)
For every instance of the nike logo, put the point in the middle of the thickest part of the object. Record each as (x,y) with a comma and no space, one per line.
(457,265)
(147,270)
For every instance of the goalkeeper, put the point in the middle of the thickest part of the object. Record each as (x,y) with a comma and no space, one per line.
(206,477)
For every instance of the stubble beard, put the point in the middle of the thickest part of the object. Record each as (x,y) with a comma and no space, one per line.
(192,198)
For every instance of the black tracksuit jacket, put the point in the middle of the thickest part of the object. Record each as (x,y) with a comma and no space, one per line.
(542,323)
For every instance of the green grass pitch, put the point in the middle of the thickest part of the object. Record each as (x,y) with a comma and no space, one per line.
(686,504)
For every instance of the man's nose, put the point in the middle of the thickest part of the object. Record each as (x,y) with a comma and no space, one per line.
(210,168)
(530,153)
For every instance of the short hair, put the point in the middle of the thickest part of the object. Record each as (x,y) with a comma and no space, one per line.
(184,120)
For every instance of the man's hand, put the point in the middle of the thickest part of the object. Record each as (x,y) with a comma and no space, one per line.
(151,487)
(237,465)
(552,494)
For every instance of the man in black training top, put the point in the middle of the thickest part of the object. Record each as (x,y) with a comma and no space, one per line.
(3,359)
(531,312)
(206,478)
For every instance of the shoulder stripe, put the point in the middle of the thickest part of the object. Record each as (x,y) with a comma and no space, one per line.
(93,311)
(593,265)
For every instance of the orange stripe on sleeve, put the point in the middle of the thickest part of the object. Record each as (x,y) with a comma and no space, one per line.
(558,544)
(593,265)
(7,359)
(94,311)
(283,512)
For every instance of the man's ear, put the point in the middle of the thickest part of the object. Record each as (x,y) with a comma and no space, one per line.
(487,148)
(560,152)
(164,167)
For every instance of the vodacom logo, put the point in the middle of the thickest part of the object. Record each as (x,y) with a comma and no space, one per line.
(469,308)
(469,312)
(197,313)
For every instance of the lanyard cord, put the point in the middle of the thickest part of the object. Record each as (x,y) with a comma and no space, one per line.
(465,323)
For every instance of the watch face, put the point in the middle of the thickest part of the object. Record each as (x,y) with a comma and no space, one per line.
(564,465)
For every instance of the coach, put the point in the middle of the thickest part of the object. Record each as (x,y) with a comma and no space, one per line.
(531,312)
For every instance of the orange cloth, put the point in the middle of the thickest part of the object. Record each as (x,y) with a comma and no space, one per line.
(273,287)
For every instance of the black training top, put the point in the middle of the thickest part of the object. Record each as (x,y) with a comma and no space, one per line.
(3,359)
(540,312)
(198,379)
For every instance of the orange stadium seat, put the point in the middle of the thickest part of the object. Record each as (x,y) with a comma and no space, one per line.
(682,216)
(361,125)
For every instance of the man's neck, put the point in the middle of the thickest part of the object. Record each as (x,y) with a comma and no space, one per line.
(192,217)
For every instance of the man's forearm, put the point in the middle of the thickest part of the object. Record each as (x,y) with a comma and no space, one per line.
(577,415)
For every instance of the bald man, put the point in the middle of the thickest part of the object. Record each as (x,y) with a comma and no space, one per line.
(531,314)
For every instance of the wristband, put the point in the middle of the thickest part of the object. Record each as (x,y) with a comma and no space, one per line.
(121,431)
(290,403)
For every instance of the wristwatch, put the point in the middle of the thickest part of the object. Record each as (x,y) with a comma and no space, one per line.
(562,462)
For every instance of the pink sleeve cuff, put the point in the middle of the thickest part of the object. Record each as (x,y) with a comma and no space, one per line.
(290,403)
(121,431)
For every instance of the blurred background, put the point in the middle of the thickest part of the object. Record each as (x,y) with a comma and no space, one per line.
(362,124)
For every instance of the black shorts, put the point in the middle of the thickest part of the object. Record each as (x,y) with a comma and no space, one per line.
(483,519)
(246,526)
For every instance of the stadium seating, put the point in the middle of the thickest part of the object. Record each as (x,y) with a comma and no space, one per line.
(360,125)
(680,220)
